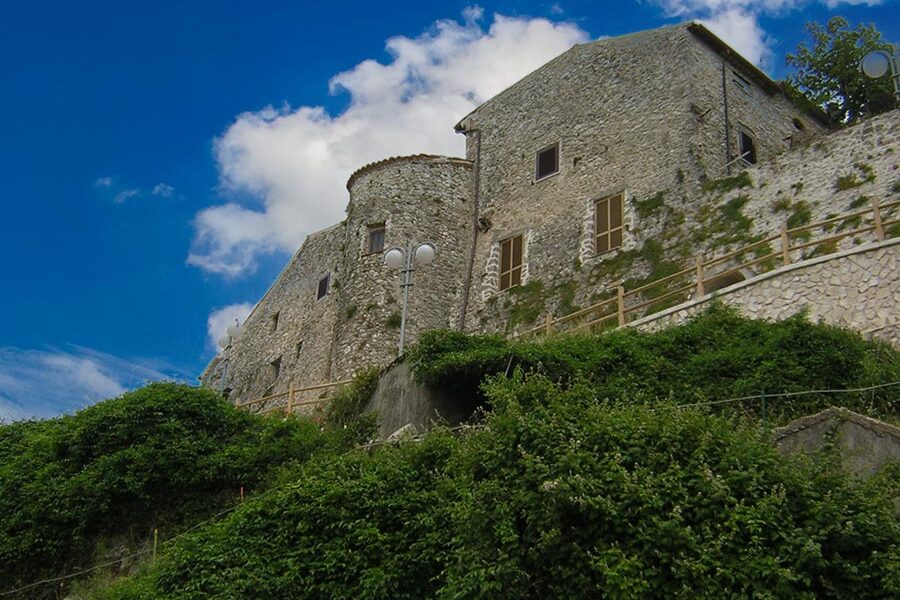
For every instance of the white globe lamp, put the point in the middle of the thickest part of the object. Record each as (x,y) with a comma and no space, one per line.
(394,258)
(425,254)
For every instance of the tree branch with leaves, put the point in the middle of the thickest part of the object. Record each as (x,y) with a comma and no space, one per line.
(827,72)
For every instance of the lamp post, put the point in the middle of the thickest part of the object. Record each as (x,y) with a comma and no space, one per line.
(396,258)
(877,63)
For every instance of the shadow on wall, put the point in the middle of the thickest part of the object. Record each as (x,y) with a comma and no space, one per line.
(400,401)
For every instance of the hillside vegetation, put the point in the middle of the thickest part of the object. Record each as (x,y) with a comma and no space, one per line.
(580,478)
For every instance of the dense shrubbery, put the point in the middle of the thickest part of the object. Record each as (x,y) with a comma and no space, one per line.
(715,356)
(583,480)
(158,457)
(558,496)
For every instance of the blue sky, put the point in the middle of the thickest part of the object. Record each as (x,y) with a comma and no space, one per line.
(161,160)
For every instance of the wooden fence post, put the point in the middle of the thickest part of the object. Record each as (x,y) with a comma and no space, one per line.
(785,245)
(620,293)
(290,402)
(876,213)
(548,325)
(700,291)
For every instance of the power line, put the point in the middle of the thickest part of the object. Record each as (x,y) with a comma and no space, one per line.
(789,394)
(417,438)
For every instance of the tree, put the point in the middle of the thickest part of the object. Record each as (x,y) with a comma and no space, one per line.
(828,74)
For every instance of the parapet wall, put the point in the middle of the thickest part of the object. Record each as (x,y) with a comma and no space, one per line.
(857,289)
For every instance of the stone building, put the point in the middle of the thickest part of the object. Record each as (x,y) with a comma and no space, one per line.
(603,165)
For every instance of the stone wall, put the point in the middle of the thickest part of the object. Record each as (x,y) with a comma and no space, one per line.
(729,96)
(856,288)
(355,325)
(865,445)
(418,199)
(642,114)
(288,339)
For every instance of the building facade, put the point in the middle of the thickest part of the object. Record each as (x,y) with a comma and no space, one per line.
(609,163)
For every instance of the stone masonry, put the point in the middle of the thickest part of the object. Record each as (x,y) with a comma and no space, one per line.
(856,288)
(656,117)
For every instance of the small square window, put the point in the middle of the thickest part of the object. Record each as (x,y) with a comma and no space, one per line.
(747,147)
(510,262)
(322,290)
(740,82)
(376,238)
(608,225)
(547,162)
(273,323)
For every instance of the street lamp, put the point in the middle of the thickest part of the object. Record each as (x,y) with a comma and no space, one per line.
(395,258)
(877,63)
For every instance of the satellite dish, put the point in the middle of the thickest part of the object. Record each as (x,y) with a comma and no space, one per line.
(424,254)
(223,342)
(875,64)
(394,258)
(233,330)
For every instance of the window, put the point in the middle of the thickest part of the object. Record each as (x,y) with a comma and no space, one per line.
(323,286)
(376,238)
(510,262)
(298,349)
(275,368)
(547,162)
(740,82)
(273,323)
(747,147)
(608,223)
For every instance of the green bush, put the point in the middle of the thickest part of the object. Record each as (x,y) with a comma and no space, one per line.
(715,356)
(162,456)
(345,408)
(558,496)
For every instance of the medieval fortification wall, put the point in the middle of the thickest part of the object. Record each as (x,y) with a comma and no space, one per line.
(655,117)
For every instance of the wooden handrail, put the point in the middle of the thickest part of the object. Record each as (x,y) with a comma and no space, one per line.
(701,275)
(832,238)
(292,392)
(717,259)
(583,311)
(656,282)
(680,290)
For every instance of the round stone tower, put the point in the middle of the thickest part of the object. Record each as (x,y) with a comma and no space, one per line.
(395,202)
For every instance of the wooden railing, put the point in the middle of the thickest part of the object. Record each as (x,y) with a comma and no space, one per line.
(271,403)
(625,306)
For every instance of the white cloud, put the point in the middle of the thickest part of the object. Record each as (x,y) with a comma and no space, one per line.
(164,190)
(219,320)
(737,21)
(741,30)
(44,383)
(111,187)
(124,195)
(297,160)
